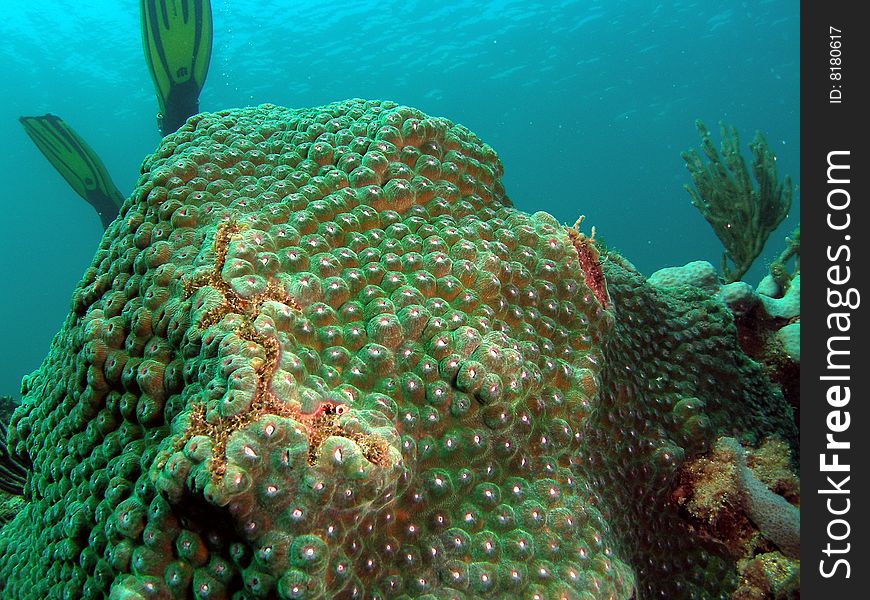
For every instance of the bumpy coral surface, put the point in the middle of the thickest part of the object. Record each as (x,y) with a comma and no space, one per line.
(319,355)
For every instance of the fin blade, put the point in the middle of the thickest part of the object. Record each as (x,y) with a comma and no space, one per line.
(177,41)
(76,162)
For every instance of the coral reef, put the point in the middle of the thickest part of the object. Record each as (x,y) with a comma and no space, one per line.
(320,355)
(767,319)
(780,276)
(745,502)
(741,215)
(8,404)
(779,271)
(699,274)
(768,575)
(589,259)
(13,471)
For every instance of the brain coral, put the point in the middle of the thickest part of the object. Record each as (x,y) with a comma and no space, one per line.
(319,355)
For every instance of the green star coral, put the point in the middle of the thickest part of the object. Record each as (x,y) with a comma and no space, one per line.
(320,355)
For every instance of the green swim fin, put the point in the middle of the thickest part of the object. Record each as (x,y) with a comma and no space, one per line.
(176,37)
(76,162)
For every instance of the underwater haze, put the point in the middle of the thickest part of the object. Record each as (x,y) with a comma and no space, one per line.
(588,104)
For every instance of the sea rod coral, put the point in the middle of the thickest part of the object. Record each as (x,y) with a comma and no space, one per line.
(741,215)
(319,355)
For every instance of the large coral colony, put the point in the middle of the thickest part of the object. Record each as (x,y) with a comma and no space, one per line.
(320,355)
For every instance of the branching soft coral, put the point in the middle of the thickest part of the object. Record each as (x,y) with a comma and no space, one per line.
(778,269)
(742,215)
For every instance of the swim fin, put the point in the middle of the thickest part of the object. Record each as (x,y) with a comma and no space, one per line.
(76,162)
(176,37)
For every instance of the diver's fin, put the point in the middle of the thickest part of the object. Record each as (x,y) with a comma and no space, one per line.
(176,37)
(77,162)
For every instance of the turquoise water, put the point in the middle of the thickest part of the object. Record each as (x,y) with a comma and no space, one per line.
(589,105)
